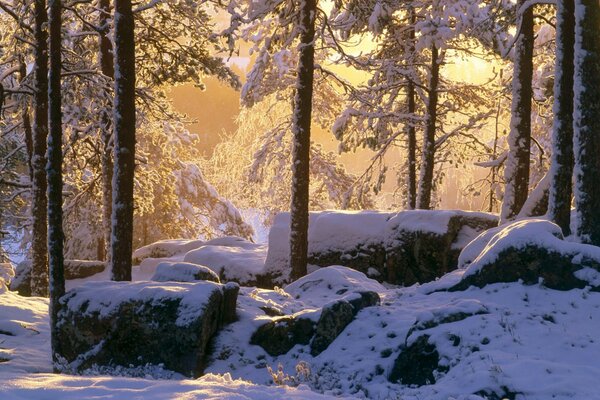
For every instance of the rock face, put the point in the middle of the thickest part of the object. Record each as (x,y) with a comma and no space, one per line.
(532,251)
(419,251)
(123,324)
(74,269)
(400,248)
(279,336)
(183,272)
(416,363)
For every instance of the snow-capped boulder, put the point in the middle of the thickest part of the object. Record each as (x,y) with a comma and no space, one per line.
(423,245)
(232,259)
(279,336)
(532,251)
(74,269)
(400,248)
(183,272)
(123,324)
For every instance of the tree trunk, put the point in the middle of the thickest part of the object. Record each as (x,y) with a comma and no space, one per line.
(561,168)
(428,156)
(54,174)
(516,173)
(27,130)
(301,151)
(107,66)
(587,120)
(39,248)
(124,142)
(411,131)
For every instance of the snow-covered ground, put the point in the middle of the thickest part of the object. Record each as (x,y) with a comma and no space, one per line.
(529,340)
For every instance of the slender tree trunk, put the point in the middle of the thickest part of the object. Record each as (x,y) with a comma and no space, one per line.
(411,131)
(516,173)
(26,123)
(587,120)
(39,248)
(106,58)
(54,173)
(301,132)
(561,168)
(428,156)
(124,143)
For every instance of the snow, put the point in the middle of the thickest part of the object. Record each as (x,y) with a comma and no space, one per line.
(231,258)
(180,272)
(166,248)
(105,297)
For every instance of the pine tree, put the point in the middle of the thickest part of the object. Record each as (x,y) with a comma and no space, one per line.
(54,175)
(516,172)
(39,247)
(124,142)
(587,120)
(301,151)
(561,169)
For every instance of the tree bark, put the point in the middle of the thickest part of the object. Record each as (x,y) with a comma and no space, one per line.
(587,120)
(124,142)
(428,156)
(516,172)
(27,130)
(39,248)
(301,151)
(411,131)
(561,168)
(106,58)
(54,175)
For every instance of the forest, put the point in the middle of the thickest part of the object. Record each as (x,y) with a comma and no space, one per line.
(400,203)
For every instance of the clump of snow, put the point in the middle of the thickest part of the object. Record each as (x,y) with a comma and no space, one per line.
(181,272)
(430,221)
(518,235)
(7,273)
(327,284)
(231,258)
(105,298)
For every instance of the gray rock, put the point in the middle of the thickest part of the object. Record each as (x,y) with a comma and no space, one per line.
(416,363)
(132,324)
(281,335)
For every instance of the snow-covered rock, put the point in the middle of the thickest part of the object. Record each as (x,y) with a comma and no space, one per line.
(74,269)
(183,272)
(232,259)
(165,248)
(530,250)
(131,324)
(400,248)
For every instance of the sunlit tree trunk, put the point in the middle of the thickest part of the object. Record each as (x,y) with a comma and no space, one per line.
(587,120)
(428,156)
(516,172)
(39,248)
(301,151)
(124,142)
(54,174)
(561,168)
(106,58)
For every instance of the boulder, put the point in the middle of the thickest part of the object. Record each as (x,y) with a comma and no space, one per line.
(280,335)
(165,248)
(423,245)
(183,272)
(531,251)
(416,363)
(74,269)
(132,324)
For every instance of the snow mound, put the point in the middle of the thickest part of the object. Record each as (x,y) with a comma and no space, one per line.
(431,221)
(183,272)
(193,297)
(232,259)
(330,283)
(519,235)
(165,248)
